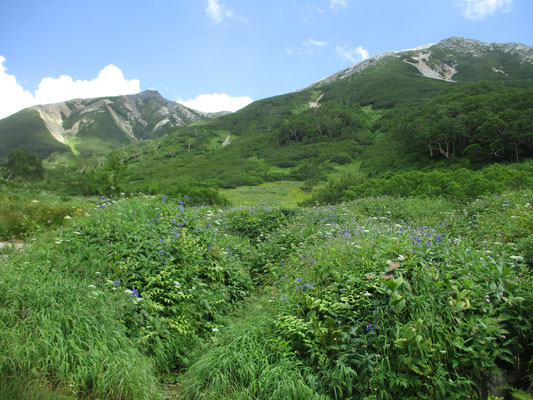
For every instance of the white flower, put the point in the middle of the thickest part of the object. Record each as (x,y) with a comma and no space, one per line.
(215,329)
(401,257)
(68,217)
(35,201)
(92,286)
(517,258)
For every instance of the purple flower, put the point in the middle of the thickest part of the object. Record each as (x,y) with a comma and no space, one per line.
(369,328)
(117,282)
(298,280)
(135,292)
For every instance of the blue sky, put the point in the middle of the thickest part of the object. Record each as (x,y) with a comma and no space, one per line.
(226,51)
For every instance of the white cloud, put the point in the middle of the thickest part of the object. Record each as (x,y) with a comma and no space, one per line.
(314,43)
(109,82)
(479,9)
(217,12)
(336,4)
(12,96)
(352,54)
(216,102)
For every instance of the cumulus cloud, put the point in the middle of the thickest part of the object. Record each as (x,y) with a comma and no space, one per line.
(479,9)
(352,54)
(12,96)
(109,82)
(336,4)
(217,12)
(216,102)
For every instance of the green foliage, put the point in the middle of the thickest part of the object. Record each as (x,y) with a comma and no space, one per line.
(380,298)
(389,308)
(458,184)
(482,121)
(248,361)
(24,165)
(25,212)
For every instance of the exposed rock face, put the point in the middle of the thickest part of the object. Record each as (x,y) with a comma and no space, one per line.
(124,118)
(442,60)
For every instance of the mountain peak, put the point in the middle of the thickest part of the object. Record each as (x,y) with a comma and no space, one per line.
(149,94)
(478,48)
(439,68)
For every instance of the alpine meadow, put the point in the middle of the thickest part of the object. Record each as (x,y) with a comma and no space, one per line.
(369,236)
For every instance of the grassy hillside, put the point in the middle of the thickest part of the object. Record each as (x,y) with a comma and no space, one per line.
(26,130)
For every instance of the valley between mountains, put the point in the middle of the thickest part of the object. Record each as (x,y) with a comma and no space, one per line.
(369,236)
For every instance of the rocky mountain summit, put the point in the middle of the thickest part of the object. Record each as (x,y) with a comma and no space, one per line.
(451,57)
(94,126)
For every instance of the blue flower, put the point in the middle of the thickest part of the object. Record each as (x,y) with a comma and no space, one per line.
(369,328)
(298,280)
(117,282)
(135,292)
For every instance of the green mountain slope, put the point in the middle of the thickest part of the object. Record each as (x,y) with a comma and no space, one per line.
(94,126)
(27,130)
(331,126)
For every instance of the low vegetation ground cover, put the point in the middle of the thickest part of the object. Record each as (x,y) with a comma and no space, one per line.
(380,298)
(24,211)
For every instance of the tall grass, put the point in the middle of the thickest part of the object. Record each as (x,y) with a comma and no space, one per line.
(248,361)
(55,327)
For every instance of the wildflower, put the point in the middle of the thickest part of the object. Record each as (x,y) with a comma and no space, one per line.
(215,329)
(401,257)
(135,292)
(117,282)
(369,328)
(161,252)
(298,280)
(92,286)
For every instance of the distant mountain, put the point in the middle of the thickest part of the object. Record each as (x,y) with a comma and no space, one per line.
(348,117)
(94,126)
(454,59)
